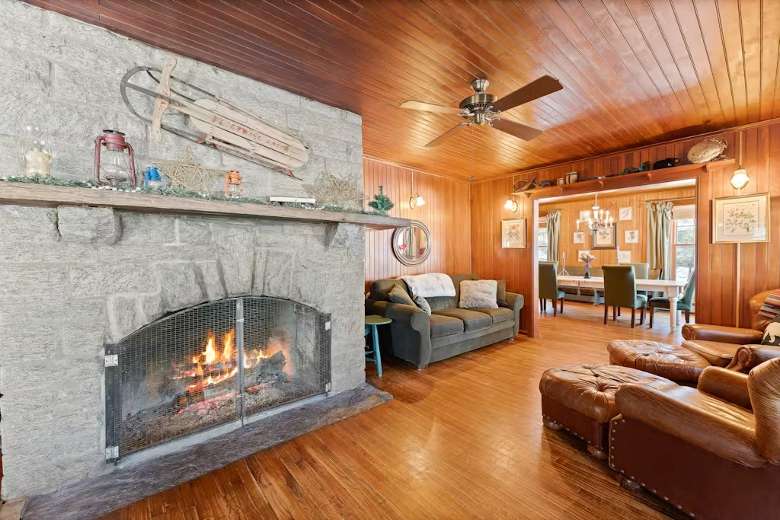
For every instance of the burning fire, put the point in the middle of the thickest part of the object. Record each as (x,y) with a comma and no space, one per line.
(214,364)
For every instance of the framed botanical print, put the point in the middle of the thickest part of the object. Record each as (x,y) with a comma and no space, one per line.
(624,257)
(604,238)
(513,233)
(626,213)
(631,236)
(579,237)
(740,219)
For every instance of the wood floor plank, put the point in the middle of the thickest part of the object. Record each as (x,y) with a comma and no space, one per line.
(461,439)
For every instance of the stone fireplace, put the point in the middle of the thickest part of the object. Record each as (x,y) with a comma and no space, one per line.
(125,330)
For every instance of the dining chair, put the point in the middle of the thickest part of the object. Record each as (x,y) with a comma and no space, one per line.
(642,272)
(548,287)
(684,304)
(620,291)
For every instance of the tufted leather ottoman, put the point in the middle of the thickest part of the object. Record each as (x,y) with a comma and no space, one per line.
(581,399)
(670,361)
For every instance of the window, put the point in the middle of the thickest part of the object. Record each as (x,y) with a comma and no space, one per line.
(541,244)
(684,242)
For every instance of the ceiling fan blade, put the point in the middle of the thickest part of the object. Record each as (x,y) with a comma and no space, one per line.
(534,90)
(521,131)
(429,107)
(438,140)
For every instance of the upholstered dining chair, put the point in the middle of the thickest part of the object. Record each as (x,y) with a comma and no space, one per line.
(620,291)
(548,287)
(684,304)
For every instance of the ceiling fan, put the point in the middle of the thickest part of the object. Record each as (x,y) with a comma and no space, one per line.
(483,108)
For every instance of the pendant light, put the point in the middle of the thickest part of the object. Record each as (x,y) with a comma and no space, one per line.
(511,204)
(740,177)
(416,200)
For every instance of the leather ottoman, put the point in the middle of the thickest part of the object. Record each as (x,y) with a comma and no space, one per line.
(581,399)
(672,362)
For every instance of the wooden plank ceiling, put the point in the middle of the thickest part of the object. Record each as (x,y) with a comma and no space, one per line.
(634,71)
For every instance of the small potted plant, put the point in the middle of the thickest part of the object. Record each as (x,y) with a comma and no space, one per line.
(587,258)
(381,203)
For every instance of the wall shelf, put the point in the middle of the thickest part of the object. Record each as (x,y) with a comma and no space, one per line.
(626,180)
(45,195)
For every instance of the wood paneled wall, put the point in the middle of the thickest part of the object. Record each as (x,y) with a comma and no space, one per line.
(716,280)
(446,213)
(570,211)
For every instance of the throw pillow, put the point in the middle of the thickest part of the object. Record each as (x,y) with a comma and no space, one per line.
(771,334)
(398,295)
(423,304)
(476,294)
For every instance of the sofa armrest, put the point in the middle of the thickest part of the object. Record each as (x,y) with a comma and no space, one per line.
(725,384)
(749,356)
(722,334)
(515,302)
(410,330)
(706,422)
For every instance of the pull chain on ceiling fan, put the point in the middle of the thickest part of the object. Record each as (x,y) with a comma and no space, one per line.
(484,109)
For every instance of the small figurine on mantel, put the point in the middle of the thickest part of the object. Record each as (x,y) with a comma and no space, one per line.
(381,203)
(37,157)
(233,184)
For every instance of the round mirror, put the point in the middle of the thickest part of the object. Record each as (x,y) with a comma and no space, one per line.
(412,245)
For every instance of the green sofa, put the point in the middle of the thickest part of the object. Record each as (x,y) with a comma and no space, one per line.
(421,339)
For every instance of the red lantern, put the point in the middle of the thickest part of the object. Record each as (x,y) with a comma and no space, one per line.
(114,160)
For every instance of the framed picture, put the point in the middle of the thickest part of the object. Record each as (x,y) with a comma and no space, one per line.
(632,236)
(740,219)
(580,254)
(584,214)
(579,237)
(624,257)
(626,213)
(604,238)
(513,233)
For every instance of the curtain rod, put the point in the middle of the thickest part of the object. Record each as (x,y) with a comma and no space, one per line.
(673,199)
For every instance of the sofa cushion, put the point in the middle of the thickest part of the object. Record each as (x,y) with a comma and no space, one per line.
(381,288)
(445,326)
(478,293)
(472,320)
(497,315)
(717,353)
(423,304)
(398,295)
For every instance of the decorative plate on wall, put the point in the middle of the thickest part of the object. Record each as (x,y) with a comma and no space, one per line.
(707,150)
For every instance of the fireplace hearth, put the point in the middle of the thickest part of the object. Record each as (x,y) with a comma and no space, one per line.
(211,364)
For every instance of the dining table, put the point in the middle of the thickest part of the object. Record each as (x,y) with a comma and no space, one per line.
(670,288)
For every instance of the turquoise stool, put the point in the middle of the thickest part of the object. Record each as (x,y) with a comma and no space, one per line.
(372,322)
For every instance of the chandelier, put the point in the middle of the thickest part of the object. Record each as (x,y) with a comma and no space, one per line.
(596,218)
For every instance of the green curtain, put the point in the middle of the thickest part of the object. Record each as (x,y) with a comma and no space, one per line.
(553,234)
(659,235)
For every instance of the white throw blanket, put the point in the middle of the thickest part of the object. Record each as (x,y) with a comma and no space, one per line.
(430,285)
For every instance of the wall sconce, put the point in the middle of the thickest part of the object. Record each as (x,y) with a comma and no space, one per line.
(511,204)
(740,177)
(416,200)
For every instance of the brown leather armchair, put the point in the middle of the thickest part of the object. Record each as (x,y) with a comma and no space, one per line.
(719,344)
(712,451)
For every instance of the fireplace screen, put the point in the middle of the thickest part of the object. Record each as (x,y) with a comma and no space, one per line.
(211,364)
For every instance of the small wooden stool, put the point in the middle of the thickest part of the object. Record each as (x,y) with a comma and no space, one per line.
(372,322)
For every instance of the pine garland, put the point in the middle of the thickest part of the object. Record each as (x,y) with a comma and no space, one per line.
(167,191)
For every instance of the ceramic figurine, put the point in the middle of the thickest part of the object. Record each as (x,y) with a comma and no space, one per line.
(233,184)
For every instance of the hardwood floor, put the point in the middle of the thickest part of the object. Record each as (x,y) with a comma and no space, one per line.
(461,439)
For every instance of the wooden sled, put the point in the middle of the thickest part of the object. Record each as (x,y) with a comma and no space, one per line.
(214,122)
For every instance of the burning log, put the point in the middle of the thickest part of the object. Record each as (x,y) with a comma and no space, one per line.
(271,369)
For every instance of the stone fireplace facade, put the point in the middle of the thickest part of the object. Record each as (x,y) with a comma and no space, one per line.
(73,279)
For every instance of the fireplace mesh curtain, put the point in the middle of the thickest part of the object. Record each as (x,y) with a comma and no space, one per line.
(212,364)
